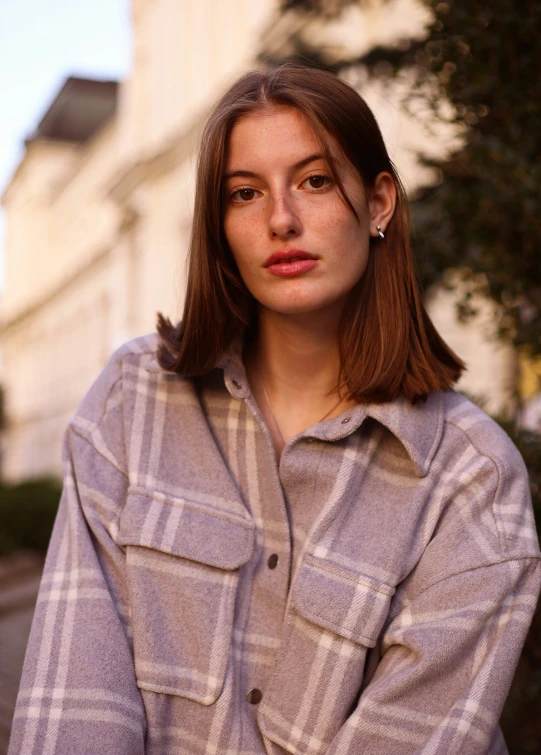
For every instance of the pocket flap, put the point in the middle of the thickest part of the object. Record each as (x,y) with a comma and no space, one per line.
(350,604)
(186,528)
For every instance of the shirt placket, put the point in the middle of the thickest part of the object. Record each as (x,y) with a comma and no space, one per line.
(266,582)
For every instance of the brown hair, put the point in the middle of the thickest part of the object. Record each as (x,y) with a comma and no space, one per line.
(388,344)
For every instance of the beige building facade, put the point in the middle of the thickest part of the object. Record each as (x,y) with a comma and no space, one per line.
(99,213)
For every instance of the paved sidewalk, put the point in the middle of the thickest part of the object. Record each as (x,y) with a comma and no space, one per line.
(19,581)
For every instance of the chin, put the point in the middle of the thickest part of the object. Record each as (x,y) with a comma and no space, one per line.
(300,305)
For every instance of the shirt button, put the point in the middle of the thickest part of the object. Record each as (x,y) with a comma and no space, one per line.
(254,696)
(236,384)
(345,421)
(273,561)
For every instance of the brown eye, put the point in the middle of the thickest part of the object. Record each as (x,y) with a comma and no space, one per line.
(318,182)
(244,195)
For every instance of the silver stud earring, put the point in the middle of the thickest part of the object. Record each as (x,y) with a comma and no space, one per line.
(381,234)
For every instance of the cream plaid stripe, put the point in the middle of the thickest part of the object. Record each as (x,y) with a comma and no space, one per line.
(403,543)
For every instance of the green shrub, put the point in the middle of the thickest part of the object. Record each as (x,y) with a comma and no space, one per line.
(27,513)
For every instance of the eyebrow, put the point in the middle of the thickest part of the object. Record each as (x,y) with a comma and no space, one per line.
(250,174)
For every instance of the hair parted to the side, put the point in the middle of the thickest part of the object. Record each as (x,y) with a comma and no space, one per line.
(388,344)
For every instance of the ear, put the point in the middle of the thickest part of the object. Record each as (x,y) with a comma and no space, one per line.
(381,202)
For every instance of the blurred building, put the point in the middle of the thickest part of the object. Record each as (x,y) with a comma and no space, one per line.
(98,211)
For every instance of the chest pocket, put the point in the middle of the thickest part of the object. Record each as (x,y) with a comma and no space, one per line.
(182,560)
(335,616)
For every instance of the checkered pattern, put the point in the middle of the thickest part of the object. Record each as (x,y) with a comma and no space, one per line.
(408,571)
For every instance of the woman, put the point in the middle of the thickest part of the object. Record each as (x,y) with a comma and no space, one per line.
(281,530)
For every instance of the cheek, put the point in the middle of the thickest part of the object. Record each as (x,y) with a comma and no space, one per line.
(347,235)
(336,221)
(351,241)
(240,236)
(230,232)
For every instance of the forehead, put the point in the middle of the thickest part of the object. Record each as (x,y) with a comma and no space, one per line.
(272,136)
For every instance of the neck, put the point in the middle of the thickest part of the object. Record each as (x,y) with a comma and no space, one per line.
(297,356)
(293,366)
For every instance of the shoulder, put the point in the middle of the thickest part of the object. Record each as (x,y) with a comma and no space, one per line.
(139,353)
(485,476)
(478,496)
(124,372)
(475,429)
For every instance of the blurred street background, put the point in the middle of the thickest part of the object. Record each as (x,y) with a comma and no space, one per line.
(103,104)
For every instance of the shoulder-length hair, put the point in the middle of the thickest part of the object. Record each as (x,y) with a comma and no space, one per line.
(388,344)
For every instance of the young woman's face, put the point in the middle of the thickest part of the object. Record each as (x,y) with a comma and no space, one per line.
(298,246)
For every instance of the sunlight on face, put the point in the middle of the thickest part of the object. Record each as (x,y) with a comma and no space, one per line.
(298,246)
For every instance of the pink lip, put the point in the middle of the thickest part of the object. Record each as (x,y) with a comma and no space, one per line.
(280,263)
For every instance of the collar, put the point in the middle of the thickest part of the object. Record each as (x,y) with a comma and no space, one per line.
(418,427)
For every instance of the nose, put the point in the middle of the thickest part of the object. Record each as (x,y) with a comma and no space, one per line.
(284,221)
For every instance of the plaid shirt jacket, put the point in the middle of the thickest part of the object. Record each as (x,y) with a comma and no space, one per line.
(404,573)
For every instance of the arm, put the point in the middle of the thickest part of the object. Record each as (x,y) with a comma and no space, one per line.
(78,692)
(448,658)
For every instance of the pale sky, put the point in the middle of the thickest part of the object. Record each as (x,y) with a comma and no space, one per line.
(42,42)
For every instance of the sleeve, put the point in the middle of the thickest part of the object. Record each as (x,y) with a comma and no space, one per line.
(448,658)
(78,692)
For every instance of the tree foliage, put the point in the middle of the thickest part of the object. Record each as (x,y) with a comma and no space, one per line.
(485,215)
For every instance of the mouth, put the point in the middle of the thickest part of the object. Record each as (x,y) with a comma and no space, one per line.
(290,262)
(288,256)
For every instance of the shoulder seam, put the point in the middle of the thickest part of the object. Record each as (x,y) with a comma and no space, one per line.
(533,558)
(502,534)
(88,439)
(95,424)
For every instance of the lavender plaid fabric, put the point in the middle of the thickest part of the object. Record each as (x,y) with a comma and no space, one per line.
(408,570)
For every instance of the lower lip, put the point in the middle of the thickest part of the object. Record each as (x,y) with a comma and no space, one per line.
(288,269)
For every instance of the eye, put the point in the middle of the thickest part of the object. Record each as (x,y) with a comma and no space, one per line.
(317,181)
(243,195)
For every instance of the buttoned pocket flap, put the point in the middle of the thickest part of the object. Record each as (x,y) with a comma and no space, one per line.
(186,528)
(183,562)
(350,604)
